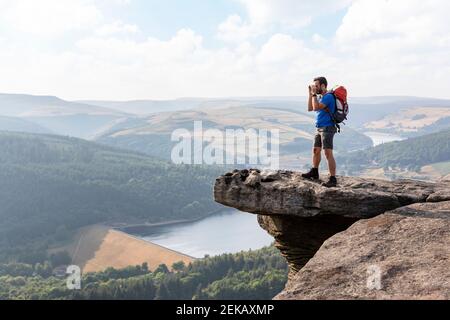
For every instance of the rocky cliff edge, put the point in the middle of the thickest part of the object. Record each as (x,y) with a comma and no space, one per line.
(365,239)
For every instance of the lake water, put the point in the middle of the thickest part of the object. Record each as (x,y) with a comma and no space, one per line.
(380,137)
(229,232)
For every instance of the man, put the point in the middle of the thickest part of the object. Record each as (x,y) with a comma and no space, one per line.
(324,104)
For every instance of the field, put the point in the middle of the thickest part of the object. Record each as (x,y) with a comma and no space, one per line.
(432,172)
(409,120)
(98,247)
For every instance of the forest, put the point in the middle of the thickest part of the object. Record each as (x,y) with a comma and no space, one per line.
(252,275)
(53,185)
(411,154)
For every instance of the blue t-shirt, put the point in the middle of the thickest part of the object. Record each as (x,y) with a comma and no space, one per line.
(323,117)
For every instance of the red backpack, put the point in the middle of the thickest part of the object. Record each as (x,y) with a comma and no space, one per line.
(341,112)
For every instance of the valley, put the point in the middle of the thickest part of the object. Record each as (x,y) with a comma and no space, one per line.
(104,165)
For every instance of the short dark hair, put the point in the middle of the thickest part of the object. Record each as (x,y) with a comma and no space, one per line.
(322,80)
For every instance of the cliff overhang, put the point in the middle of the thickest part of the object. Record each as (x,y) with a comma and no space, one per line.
(303,216)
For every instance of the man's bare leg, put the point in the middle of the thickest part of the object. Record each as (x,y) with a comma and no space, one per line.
(317,157)
(331,162)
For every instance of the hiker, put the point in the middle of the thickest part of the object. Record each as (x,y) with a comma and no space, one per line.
(324,103)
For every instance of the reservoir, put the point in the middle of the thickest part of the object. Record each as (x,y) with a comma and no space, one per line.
(228,232)
(380,137)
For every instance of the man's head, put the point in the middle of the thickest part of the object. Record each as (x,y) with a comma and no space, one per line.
(321,84)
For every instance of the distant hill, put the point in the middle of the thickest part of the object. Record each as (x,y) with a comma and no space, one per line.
(411,154)
(364,111)
(152,134)
(23,105)
(147,107)
(406,101)
(89,118)
(57,115)
(372,105)
(21,125)
(413,121)
(50,185)
(143,107)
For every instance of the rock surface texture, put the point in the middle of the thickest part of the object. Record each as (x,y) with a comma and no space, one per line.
(365,239)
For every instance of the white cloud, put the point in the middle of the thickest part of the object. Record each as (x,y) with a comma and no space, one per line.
(117,28)
(179,48)
(235,30)
(282,48)
(318,39)
(113,68)
(264,16)
(382,47)
(290,13)
(404,43)
(413,22)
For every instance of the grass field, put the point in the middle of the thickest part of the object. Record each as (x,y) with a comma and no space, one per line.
(98,247)
(409,120)
(432,172)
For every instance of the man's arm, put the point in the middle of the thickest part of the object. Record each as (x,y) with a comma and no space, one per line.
(310,103)
(316,105)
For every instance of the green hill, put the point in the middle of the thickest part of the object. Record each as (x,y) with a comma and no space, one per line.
(50,185)
(409,154)
(152,134)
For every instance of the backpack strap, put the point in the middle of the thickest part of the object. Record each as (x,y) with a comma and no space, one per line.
(331,114)
(333,119)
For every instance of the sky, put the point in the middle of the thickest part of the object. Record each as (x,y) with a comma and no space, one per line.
(154,49)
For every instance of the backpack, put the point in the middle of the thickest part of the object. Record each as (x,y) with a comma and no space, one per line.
(342,110)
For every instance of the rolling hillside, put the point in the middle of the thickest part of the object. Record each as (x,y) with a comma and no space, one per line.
(23,105)
(411,154)
(56,115)
(152,134)
(145,107)
(16,124)
(50,185)
(413,121)
(366,110)
(89,119)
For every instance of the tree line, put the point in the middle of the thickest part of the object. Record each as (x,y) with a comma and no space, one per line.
(258,275)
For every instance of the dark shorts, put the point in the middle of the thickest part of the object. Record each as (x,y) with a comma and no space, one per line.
(324,137)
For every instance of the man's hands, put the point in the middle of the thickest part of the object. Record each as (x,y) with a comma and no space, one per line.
(313,101)
(312,90)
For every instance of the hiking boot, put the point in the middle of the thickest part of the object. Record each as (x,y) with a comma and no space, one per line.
(313,174)
(332,182)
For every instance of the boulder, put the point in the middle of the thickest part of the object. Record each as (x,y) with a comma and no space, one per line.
(402,254)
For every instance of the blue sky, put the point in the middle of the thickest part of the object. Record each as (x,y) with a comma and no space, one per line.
(163,19)
(149,49)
